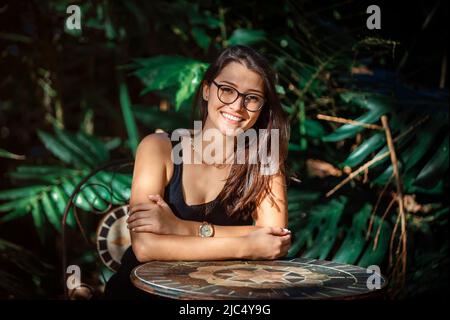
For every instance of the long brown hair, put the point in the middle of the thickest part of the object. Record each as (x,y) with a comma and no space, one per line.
(246,187)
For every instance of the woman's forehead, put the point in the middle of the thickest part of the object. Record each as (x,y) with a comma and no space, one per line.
(241,76)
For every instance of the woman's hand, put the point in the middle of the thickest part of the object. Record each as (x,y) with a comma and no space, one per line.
(155,217)
(268,243)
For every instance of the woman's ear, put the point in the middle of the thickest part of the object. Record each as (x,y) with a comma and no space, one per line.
(205,92)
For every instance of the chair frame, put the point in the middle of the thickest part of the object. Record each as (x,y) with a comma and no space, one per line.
(122,163)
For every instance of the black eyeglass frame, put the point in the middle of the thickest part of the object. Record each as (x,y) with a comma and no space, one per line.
(244,95)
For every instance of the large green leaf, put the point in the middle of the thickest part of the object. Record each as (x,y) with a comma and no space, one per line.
(321,231)
(318,234)
(48,174)
(93,146)
(368,100)
(16,213)
(44,170)
(324,220)
(130,122)
(80,201)
(314,128)
(60,199)
(434,170)
(51,211)
(93,197)
(121,188)
(38,219)
(21,192)
(182,75)
(113,143)
(377,105)
(201,38)
(107,191)
(15,204)
(420,146)
(59,150)
(354,242)
(71,142)
(189,83)
(374,255)
(350,130)
(365,149)
(47,202)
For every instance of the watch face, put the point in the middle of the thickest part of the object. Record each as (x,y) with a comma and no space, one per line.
(206,230)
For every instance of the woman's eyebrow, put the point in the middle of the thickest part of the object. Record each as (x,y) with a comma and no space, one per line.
(233,84)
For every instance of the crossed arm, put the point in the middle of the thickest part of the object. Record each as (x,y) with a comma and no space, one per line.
(265,240)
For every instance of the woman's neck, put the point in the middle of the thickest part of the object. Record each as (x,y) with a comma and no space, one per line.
(212,142)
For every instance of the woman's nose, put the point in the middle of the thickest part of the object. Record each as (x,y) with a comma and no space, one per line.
(238,104)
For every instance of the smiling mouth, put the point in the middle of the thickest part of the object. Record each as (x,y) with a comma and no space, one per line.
(231,118)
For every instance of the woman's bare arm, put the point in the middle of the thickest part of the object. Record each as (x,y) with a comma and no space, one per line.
(168,247)
(150,177)
(191,228)
(266,215)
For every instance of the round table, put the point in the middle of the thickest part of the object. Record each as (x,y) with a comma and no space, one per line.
(297,278)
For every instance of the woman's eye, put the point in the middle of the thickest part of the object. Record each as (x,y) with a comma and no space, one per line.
(227,89)
(253,98)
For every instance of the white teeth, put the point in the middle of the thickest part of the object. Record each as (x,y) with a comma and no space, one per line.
(229,116)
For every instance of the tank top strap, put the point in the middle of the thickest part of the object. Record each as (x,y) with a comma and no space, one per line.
(175,181)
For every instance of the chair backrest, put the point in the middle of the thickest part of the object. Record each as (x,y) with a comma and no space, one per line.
(113,237)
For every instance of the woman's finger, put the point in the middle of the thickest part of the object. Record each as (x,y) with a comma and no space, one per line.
(142,207)
(137,207)
(148,228)
(139,214)
(159,200)
(139,223)
(277,231)
(286,239)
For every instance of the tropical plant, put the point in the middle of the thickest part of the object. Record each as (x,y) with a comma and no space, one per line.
(323,80)
(22,273)
(48,196)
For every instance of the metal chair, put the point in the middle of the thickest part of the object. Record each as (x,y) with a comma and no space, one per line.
(112,236)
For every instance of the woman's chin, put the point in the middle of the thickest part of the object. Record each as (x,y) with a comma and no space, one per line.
(229,131)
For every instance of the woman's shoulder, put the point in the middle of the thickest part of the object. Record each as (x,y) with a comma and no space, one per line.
(154,151)
(157,144)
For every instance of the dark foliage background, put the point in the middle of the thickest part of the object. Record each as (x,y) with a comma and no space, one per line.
(70,100)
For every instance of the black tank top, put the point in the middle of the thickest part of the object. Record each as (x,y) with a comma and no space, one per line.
(119,285)
(173,195)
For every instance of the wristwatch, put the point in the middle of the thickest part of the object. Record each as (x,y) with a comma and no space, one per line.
(206,230)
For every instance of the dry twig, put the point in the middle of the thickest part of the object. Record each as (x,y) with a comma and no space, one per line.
(349,121)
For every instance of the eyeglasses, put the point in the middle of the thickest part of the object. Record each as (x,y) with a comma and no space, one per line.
(228,95)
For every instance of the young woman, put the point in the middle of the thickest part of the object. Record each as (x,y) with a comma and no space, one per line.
(212,209)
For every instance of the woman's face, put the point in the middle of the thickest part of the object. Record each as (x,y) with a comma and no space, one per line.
(238,76)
